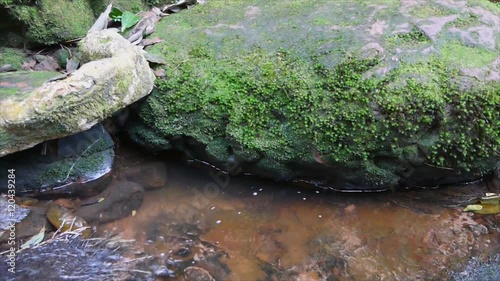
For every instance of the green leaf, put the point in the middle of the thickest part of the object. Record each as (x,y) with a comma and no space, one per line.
(473,208)
(129,19)
(35,240)
(116,14)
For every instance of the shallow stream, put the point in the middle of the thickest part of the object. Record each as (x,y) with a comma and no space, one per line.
(245,228)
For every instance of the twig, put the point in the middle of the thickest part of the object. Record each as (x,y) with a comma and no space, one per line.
(438,167)
(80,157)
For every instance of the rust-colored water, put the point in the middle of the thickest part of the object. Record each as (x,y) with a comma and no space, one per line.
(262,230)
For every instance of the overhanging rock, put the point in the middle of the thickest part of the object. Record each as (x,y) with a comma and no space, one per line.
(114,75)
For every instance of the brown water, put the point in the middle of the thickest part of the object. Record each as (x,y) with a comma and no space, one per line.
(254,229)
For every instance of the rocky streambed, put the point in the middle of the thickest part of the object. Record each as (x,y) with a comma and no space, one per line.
(190,224)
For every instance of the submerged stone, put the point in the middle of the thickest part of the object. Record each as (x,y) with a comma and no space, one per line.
(357,95)
(119,200)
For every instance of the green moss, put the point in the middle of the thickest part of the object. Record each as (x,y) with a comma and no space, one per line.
(74,168)
(148,138)
(275,105)
(493,6)
(54,21)
(28,79)
(415,36)
(274,168)
(455,53)
(465,21)
(218,149)
(430,10)
(14,57)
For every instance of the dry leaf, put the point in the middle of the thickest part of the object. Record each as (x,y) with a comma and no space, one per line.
(35,240)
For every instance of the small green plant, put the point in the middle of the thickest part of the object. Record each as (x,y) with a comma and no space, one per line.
(127,19)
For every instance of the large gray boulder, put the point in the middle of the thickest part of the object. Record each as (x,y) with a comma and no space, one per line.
(351,94)
(114,75)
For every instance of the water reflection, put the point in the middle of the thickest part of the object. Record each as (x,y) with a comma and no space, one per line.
(262,230)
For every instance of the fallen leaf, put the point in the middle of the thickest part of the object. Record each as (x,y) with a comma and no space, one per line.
(35,240)
(128,20)
(152,41)
(101,199)
(473,208)
(489,209)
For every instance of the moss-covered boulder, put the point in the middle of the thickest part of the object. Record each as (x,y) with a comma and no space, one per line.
(359,94)
(46,22)
(40,106)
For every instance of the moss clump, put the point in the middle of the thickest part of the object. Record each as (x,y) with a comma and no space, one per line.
(53,21)
(148,138)
(281,107)
(430,10)
(465,21)
(454,53)
(14,57)
(415,36)
(70,169)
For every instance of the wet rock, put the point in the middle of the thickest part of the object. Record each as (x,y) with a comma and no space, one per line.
(162,271)
(74,258)
(114,75)
(10,212)
(321,111)
(27,221)
(153,175)
(63,220)
(194,273)
(493,181)
(79,165)
(479,270)
(119,200)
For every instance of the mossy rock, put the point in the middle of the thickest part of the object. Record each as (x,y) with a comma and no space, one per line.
(48,22)
(14,57)
(52,21)
(39,106)
(370,93)
(76,165)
